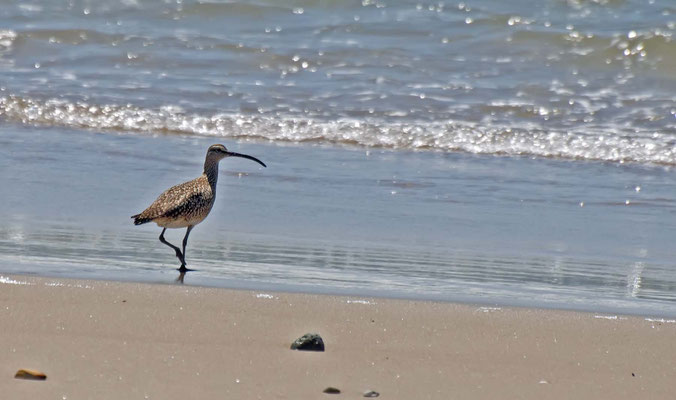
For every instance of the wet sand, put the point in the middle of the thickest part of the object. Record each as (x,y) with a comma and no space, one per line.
(110,340)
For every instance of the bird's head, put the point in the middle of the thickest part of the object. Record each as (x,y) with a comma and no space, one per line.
(219,151)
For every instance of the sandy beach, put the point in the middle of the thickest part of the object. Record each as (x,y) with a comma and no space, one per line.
(110,340)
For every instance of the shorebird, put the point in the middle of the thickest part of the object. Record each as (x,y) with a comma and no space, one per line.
(188,204)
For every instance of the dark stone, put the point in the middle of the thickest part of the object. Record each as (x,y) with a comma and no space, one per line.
(371,393)
(331,390)
(308,342)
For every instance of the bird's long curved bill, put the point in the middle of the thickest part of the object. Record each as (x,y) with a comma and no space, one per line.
(231,154)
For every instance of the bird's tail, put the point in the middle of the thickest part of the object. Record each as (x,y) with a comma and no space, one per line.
(138,220)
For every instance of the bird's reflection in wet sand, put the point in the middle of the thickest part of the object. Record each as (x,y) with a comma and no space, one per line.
(181,276)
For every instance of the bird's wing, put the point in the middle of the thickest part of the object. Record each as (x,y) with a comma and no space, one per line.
(172,201)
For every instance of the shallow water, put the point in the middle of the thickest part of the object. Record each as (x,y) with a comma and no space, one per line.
(482,151)
(344,220)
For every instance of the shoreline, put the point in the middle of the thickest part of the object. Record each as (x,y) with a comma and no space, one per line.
(103,339)
(209,282)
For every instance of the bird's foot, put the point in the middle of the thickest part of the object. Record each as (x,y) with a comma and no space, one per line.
(184,269)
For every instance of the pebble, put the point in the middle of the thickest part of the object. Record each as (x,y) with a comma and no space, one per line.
(308,342)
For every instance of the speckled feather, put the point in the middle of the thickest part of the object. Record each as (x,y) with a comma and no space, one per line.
(182,205)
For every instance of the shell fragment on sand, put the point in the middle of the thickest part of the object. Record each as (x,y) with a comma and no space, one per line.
(30,374)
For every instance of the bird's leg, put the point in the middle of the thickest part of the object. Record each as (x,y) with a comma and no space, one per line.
(185,242)
(178,251)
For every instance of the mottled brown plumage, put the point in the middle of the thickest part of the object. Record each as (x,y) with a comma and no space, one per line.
(182,205)
(188,204)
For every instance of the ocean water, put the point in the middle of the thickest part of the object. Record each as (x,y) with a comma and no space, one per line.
(481,151)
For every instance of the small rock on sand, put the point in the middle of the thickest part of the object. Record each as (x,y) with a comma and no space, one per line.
(331,390)
(308,342)
(371,393)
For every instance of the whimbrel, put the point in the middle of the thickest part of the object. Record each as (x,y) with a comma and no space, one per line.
(188,204)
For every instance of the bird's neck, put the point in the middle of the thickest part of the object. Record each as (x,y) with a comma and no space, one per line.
(211,170)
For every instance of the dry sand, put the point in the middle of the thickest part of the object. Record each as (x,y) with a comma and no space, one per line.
(109,340)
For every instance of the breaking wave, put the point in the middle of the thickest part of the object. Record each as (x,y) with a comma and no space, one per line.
(452,136)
